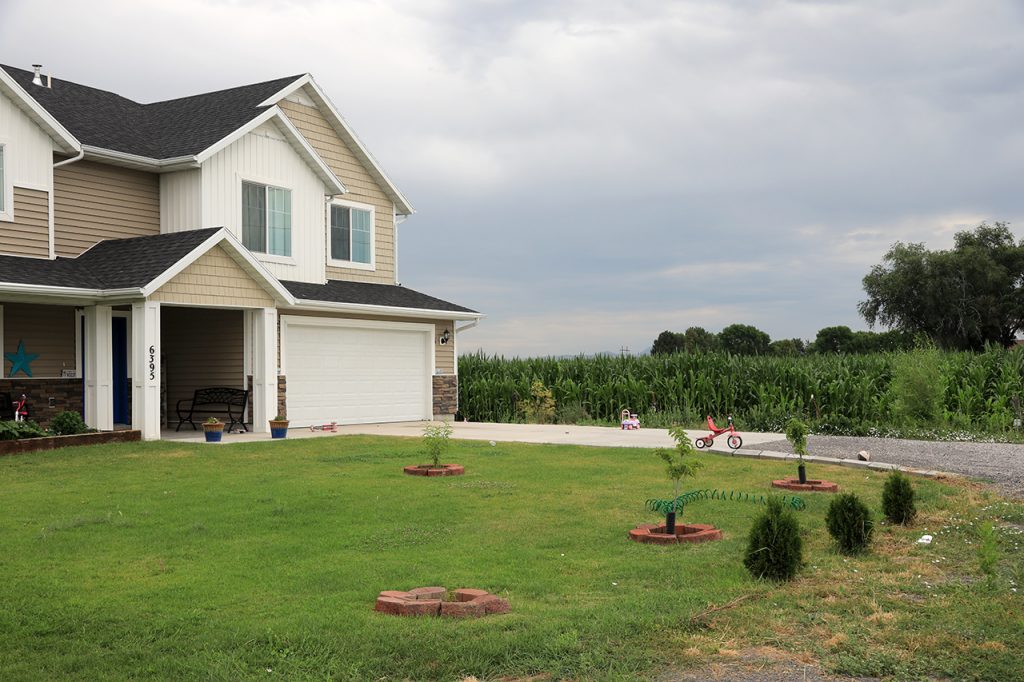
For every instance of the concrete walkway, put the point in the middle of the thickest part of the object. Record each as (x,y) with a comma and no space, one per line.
(559,434)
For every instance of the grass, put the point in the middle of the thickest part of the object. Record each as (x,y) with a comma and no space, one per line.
(262,561)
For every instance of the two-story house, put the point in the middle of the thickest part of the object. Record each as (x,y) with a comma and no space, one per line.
(241,238)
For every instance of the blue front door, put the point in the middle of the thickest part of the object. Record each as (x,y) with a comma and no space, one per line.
(119,362)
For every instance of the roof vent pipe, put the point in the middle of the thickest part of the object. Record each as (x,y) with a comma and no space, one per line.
(36,80)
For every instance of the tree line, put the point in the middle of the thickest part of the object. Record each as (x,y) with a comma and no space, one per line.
(745,339)
(964,298)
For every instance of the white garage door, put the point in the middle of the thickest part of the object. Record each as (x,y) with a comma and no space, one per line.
(356,372)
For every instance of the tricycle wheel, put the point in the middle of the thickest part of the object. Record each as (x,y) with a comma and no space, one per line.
(699,443)
(735,442)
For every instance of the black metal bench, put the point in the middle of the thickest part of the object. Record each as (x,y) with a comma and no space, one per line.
(217,400)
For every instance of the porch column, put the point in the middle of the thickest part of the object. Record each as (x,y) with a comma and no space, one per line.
(146,369)
(99,376)
(264,368)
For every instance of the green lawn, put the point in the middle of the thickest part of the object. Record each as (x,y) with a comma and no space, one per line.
(262,561)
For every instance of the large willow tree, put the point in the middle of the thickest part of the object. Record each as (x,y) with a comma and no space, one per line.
(963,297)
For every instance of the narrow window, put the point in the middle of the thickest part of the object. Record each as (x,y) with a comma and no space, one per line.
(351,234)
(267,219)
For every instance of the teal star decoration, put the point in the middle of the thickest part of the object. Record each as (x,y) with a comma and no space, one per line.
(21,361)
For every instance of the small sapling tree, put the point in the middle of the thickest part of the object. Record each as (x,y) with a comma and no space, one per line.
(437,439)
(774,548)
(680,465)
(796,434)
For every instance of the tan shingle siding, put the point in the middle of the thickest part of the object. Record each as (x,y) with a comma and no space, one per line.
(214,279)
(93,202)
(29,234)
(361,188)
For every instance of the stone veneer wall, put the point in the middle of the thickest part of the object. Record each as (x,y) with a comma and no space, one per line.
(67,395)
(446,395)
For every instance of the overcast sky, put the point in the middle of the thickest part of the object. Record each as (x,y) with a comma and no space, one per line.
(589,174)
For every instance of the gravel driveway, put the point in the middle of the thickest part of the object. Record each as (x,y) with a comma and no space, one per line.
(1000,463)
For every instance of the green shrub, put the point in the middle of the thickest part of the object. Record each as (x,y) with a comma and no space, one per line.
(540,407)
(68,423)
(849,523)
(12,430)
(918,387)
(898,499)
(572,413)
(988,552)
(774,550)
(437,439)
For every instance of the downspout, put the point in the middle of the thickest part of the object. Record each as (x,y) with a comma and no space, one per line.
(53,186)
(397,220)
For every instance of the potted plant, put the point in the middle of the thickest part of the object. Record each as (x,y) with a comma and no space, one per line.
(279,426)
(213,428)
(678,468)
(796,433)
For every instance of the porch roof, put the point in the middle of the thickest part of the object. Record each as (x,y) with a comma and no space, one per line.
(110,264)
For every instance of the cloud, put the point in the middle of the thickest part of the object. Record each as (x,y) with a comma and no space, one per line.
(628,166)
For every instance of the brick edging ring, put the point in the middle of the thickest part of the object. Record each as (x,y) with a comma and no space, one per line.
(654,534)
(809,487)
(433,601)
(429,470)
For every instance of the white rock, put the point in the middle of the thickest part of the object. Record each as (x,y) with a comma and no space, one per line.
(864,456)
(925,540)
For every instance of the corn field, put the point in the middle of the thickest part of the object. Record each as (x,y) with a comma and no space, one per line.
(838,391)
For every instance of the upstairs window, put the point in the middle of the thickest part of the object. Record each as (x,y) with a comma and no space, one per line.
(352,234)
(267,219)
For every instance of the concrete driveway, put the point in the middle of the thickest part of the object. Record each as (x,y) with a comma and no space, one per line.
(599,436)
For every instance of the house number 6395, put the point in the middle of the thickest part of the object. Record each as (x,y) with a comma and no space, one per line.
(152,363)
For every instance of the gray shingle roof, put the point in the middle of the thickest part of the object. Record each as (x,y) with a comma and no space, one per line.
(161,130)
(363,293)
(111,264)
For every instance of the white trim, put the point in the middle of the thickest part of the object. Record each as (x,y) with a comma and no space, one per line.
(7,188)
(221,236)
(52,126)
(71,292)
(145,386)
(147,163)
(328,177)
(367,309)
(347,135)
(355,265)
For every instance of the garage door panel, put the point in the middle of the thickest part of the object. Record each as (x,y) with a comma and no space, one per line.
(356,374)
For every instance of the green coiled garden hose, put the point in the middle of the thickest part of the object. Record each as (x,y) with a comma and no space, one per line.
(666,506)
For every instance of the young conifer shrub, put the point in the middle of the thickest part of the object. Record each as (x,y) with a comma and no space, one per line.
(849,523)
(898,499)
(774,550)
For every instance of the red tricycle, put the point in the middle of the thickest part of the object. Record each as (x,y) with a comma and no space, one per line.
(734,441)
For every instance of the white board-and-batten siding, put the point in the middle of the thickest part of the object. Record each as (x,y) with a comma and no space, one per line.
(181,201)
(264,156)
(28,151)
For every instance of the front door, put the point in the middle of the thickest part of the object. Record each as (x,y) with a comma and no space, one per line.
(119,367)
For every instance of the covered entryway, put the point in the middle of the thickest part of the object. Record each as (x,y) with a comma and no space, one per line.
(356,371)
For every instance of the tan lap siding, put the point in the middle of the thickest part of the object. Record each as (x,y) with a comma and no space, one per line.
(202,348)
(48,330)
(214,279)
(361,187)
(94,201)
(29,234)
(444,356)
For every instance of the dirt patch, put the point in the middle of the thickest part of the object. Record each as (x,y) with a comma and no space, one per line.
(757,664)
